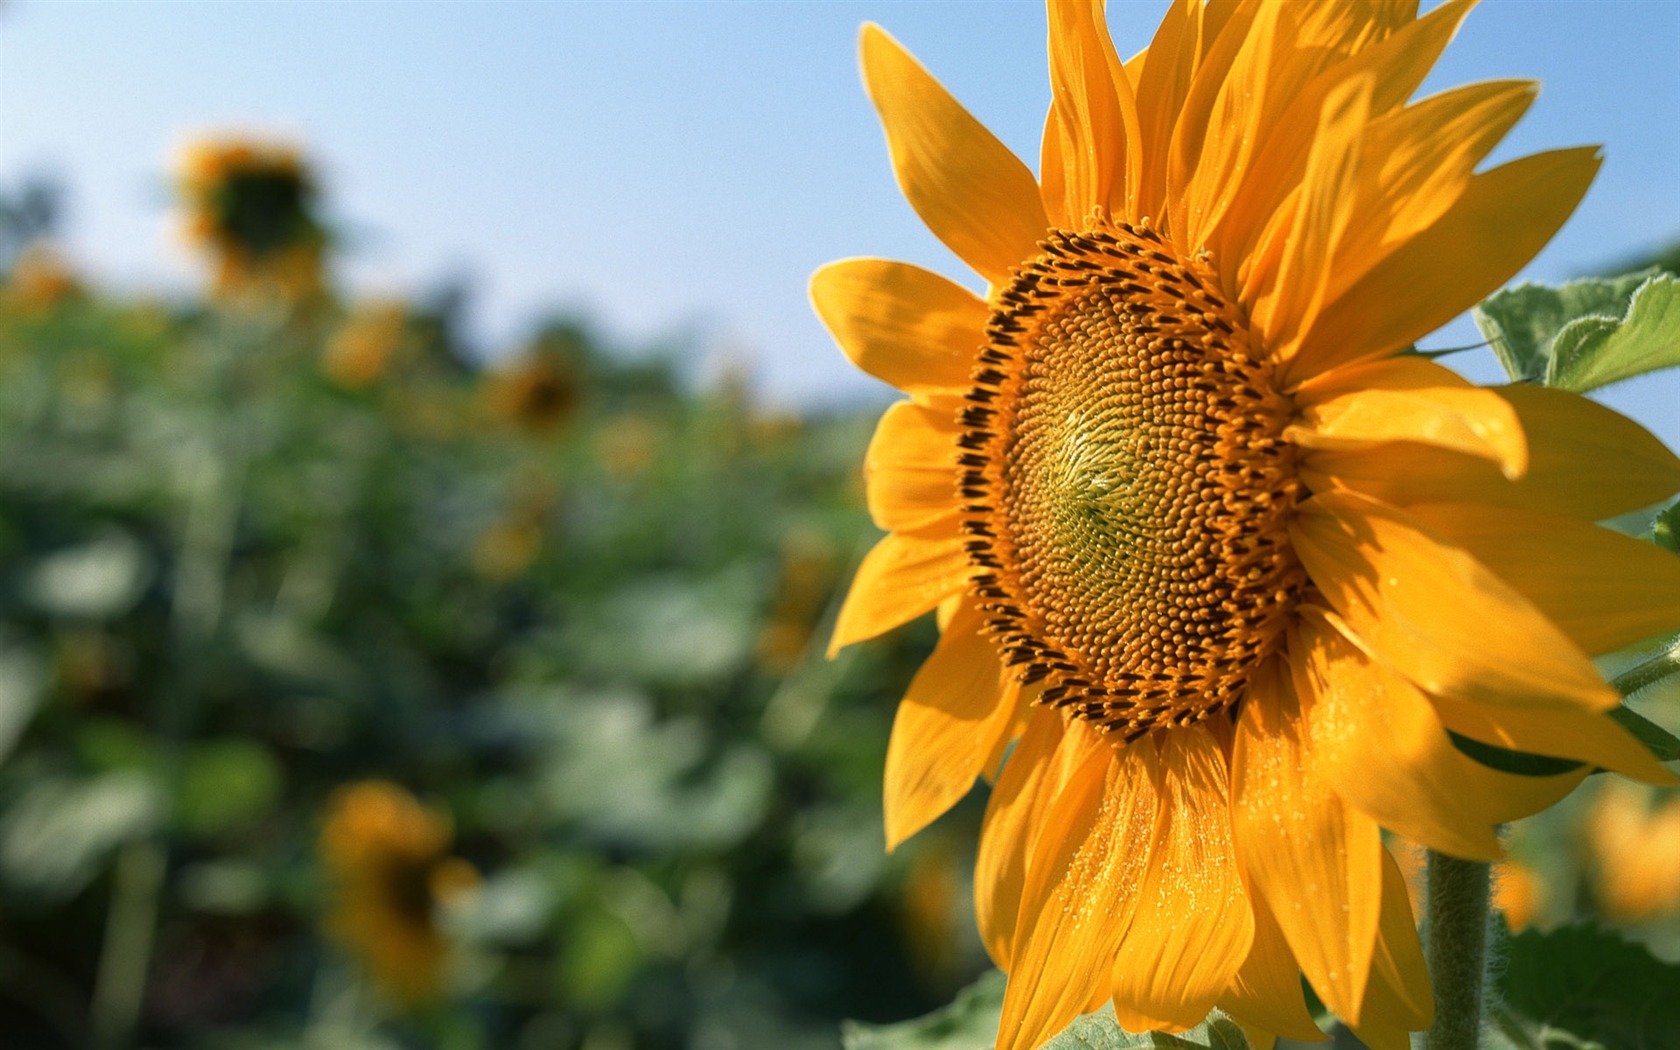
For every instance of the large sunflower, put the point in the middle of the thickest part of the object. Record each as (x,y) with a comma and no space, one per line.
(1219,558)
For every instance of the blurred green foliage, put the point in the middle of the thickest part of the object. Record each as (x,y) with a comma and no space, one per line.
(574,602)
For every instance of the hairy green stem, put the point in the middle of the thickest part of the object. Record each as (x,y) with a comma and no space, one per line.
(1456,934)
(1648,673)
(130,926)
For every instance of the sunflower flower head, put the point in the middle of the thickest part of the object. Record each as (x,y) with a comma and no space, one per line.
(1217,563)
(366,345)
(1635,838)
(388,857)
(251,207)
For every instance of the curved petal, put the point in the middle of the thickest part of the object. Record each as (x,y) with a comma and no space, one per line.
(1584,461)
(944,726)
(1097,115)
(1162,84)
(1432,612)
(1581,736)
(1604,589)
(1502,219)
(904,576)
(1080,892)
(910,468)
(973,193)
(901,323)
(1313,858)
(1192,926)
(1409,399)
(1031,777)
(1266,992)
(1380,745)
(1399,998)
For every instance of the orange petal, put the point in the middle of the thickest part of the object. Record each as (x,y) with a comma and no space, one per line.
(901,324)
(1031,777)
(1581,736)
(910,469)
(1604,589)
(1266,992)
(1192,926)
(943,729)
(904,576)
(1410,399)
(1584,461)
(1096,113)
(1313,858)
(973,193)
(1502,219)
(1432,612)
(1080,892)
(1399,998)
(1379,743)
(1162,84)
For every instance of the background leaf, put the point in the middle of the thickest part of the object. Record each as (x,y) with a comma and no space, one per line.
(1521,322)
(1583,986)
(1594,351)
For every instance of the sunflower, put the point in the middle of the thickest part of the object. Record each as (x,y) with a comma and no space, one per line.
(251,206)
(1217,562)
(389,859)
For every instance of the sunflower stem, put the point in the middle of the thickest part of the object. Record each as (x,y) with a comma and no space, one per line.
(1456,935)
(1649,673)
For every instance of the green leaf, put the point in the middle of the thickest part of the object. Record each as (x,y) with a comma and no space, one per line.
(1099,1031)
(1505,760)
(1582,986)
(1522,322)
(971,1021)
(1591,352)
(1659,741)
(1665,531)
(226,784)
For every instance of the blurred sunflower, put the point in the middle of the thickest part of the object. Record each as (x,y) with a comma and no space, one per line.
(1221,559)
(251,207)
(1635,840)
(366,345)
(389,860)
(39,280)
(539,393)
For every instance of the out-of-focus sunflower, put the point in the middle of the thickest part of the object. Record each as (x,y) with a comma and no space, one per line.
(366,345)
(1635,840)
(39,280)
(808,574)
(389,860)
(1219,557)
(251,207)
(538,393)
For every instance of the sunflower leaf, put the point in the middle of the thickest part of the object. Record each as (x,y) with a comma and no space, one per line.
(1665,531)
(1591,352)
(1099,1031)
(1522,323)
(969,1022)
(1520,763)
(1583,986)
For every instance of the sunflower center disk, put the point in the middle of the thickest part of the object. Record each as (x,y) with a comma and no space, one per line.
(1128,485)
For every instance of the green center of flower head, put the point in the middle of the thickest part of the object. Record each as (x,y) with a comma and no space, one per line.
(1128,484)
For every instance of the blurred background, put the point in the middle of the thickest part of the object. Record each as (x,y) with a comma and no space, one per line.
(424,492)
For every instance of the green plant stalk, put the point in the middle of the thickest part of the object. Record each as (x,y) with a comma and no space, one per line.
(130,927)
(1649,673)
(1456,936)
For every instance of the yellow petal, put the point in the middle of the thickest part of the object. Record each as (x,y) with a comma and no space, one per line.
(1031,777)
(1399,998)
(973,193)
(910,469)
(1379,743)
(1502,219)
(1080,892)
(1192,926)
(1052,172)
(1313,858)
(904,576)
(1581,736)
(1604,589)
(1410,399)
(1266,993)
(1432,612)
(1097,115)
(1162,84)
(1584,461)
(943,731)
(900,323)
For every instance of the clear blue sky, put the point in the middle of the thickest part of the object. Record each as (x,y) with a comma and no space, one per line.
(682,167)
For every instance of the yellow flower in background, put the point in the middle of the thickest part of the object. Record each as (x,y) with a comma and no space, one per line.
(389,860)
(250,206)
(1635,839)
(39,280)
(365,346)
(538,393)
(1219,558)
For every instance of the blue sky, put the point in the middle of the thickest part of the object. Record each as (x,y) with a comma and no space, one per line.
(678,169)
